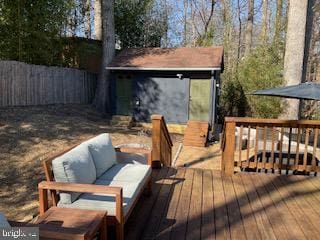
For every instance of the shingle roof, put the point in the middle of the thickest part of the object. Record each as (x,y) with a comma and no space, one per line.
(202,58)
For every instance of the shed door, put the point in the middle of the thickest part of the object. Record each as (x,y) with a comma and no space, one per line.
(199,99)
(124,95)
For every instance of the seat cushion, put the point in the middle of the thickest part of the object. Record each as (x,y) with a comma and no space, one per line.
(106,201)
(75,166)
(102,152)
(3,222)
(126,172)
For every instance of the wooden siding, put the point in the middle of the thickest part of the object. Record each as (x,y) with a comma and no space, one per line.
(201,204)
(23,84)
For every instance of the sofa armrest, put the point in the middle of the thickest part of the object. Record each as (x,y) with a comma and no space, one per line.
(144,151)
(82,188)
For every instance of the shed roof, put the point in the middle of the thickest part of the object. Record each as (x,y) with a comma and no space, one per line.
(181,59)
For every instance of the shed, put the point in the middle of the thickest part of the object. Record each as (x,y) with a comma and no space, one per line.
(180,83)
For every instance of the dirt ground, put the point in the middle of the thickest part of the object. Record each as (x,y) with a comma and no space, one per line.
(31,134)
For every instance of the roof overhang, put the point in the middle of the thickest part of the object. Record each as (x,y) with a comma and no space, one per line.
(163,69)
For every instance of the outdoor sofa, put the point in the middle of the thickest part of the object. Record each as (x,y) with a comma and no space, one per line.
(3,221)
(94,175)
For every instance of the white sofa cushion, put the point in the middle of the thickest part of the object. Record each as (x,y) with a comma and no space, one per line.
(102,152)
(3,222)
(75,166)
(105,201)
(126,172)
(131,188)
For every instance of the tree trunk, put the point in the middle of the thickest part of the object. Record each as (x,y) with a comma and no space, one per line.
(86,12)
(102,97)
(264,28)
(239,34)
(97,20)
(249,28)
(308,40)
(227,32)
(294,52)
(185,9)
(278,23)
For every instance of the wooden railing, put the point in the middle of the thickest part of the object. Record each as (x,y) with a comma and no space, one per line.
(161,142)
(270,145)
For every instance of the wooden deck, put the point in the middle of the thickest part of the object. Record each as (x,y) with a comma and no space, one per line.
(200,204)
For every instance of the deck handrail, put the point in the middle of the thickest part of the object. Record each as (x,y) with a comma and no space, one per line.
(161,142)
(276,122)
(282,151)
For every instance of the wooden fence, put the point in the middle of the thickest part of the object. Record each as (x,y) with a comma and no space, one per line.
(285,146)
(24,84)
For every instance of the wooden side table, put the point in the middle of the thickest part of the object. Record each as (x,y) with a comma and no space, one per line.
(68,223)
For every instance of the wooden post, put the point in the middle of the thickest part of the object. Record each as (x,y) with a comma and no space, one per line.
(43,200)
(119,216)
(156,141)
(227,164)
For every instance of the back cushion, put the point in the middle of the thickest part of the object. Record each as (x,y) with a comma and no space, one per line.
(75,166)
(102,152)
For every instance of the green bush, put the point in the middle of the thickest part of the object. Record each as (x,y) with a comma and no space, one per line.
(233,101)
(260,70)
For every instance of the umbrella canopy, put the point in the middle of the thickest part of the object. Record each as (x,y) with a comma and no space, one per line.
(308,91)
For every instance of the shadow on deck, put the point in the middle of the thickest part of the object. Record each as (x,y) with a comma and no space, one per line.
(200,204)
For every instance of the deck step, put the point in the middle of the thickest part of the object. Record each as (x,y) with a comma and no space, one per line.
(122,121)
(196,134)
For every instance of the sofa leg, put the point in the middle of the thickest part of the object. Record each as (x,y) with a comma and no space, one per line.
(119,231)
(148,189)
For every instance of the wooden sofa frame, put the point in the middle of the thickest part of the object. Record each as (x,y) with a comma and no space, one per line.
(52,187)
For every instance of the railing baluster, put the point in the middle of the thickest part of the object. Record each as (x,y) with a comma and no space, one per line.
(280,150)
(315,145)
(296,162)
(305,154)
(240,145)
(272,148)
(289,151)
(256,148)
(248,146)
(264,147)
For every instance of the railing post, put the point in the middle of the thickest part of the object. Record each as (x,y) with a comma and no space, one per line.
(156,141)
(227,162)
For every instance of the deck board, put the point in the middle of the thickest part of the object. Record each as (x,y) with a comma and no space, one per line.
(182,215)
(201,204)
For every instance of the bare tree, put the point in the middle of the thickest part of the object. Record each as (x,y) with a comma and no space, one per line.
(278,22)
(201,18)
(239,32)
(249,27)
(294,51)
(185,19)
(264,27)
(102,97)
(227,31)
(86,13)
(97,20)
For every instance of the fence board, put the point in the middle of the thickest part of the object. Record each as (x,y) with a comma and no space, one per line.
(24,84)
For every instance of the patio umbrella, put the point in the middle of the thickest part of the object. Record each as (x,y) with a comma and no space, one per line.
(307,91)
